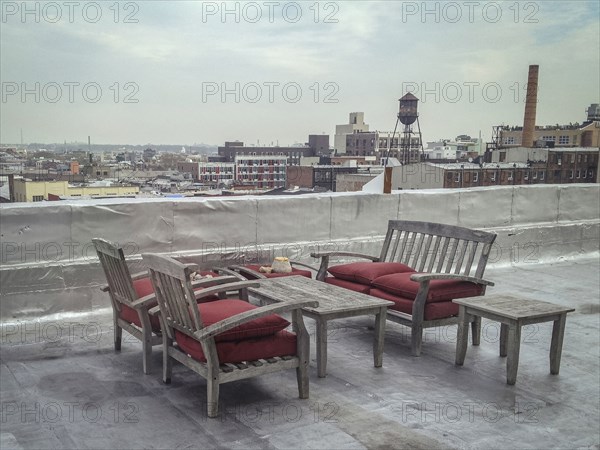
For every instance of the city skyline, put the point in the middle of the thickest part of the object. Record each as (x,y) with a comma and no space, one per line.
(135,72)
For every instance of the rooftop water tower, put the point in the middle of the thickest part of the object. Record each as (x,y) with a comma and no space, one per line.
(407,115)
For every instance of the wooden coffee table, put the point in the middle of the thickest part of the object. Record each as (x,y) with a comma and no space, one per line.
(512,313)
(334,303)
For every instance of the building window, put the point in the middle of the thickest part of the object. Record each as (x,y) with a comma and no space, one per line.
(572,158)
(542,175)
(563,140)
(493,176)
(510,175)
(457,177)
(571,172)
(526,176)
(591,173)
(38,198)
(535,175)
(549,138)
(475,177)
(578,173)
(579,158)
(509,140)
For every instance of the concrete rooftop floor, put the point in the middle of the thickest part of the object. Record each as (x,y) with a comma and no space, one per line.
(63,386)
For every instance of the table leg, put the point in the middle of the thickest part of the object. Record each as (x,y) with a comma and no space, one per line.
(462,338)
(380,319)
(558,333)
(322,348)
(503,338)
(514,346)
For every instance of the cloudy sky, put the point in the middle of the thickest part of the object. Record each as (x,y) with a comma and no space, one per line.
(273,72)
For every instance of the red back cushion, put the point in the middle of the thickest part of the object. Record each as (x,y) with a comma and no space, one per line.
(214,312)
(366,272)
(439,290)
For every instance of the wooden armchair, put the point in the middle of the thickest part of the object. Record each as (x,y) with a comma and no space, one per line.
(132,296)
(422,267)
(227,340)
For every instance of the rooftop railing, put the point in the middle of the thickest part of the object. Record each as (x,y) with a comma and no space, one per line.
(48,264)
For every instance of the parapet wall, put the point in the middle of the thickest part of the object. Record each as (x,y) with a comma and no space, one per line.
(48,264)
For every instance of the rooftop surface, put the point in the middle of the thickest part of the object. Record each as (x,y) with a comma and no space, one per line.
(63,385)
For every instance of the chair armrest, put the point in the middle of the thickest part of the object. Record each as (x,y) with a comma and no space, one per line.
(247,272)
(322,273)
(226,271)
(238,319)
(296,263)
(214,281)
(356,255)
(154,311)
(449,276)
(235,286)
(144,301)
(139,276)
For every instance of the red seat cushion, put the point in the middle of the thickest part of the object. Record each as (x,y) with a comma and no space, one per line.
(304,273)
(439,310)
(130,315)
(214,312)
(366,272)
(362,288)
(281,343)
(401,285)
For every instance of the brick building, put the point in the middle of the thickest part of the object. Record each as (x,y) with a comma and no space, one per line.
(317,176)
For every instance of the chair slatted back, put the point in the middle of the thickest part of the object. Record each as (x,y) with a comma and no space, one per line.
(173,289)
(117,274)
(437,248)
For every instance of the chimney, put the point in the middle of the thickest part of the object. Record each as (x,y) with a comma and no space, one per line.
(530,107)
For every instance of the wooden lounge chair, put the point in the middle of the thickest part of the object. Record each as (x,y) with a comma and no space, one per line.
(225,340)
(132,296)
(422,267)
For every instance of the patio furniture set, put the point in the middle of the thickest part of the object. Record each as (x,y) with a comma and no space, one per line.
(426,275)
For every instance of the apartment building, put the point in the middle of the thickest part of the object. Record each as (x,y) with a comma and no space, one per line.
(261,171)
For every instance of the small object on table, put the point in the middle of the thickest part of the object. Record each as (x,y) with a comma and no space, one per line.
(281,264)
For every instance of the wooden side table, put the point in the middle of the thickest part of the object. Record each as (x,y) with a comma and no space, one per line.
(512,313)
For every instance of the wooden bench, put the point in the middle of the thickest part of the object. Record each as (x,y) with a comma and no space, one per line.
(422,267)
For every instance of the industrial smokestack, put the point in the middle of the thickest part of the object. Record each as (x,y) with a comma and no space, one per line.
(530,106)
